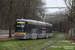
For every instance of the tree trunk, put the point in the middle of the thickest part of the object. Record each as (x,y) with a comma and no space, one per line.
(71,28)
(10,21)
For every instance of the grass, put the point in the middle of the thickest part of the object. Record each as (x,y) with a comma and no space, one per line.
(66,35)
(46,44)
(63,46)
(20,44)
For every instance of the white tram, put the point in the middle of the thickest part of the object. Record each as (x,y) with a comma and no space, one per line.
(32,29)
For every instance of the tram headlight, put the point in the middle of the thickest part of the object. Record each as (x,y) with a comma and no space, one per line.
(24,33)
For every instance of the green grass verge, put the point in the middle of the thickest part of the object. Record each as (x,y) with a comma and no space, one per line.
(20,44)
(46,44)
(63,46)
(66,35)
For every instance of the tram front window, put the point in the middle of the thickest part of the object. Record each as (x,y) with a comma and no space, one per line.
(20,28)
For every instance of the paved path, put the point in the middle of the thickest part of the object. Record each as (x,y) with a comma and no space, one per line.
(5,37)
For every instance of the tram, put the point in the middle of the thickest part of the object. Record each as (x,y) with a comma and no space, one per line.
(32,29)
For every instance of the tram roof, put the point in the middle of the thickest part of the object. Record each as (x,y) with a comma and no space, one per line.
(34,21)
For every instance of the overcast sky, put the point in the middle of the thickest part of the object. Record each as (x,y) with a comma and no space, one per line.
(54,3)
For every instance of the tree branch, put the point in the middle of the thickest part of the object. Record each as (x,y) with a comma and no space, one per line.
(66,4)
(4,7)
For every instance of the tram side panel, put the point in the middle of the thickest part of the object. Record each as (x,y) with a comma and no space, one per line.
(41,33)
(32,31)
(48,31)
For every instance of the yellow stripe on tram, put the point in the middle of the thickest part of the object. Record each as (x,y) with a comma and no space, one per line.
(20,33)
(20,22)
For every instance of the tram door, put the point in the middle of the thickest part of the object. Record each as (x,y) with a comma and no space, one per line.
(34,33)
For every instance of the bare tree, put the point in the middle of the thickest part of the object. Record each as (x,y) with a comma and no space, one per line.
(70,6)
(13,9)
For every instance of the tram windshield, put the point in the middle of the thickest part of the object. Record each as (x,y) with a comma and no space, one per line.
(20,27)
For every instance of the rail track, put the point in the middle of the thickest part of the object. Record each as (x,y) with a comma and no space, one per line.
(52,44)
(37,45)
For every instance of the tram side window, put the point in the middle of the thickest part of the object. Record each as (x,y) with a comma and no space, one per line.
(40,29)
(47,29)
(29,28)
(50,29)
(34,28)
